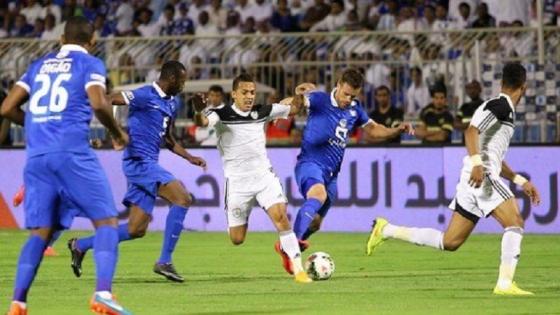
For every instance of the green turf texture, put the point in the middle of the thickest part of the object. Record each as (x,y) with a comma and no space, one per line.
(224,279)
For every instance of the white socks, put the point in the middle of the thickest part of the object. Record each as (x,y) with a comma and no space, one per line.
(511,249)
(418,236)
(290,246)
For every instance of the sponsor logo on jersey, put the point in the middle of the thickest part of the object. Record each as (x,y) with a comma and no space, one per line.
(254,115)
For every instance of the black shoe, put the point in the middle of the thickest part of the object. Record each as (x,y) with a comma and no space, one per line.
(168,270)
(77,257)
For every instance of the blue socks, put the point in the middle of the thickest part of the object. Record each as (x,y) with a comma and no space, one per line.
(85,244)
(106,243)
(29,261)
(54,237)
(173,228)
(305,216)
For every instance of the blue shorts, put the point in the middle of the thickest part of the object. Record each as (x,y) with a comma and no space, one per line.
(143,181)
(60,185)
(309,174)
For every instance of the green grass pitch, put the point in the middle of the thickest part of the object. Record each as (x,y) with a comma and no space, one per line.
(223,279)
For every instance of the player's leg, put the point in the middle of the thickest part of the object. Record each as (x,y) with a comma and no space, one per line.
(84,182)
(50,251)
(311,184)
(180,200)
(460,227)
(239,201)
(507,214)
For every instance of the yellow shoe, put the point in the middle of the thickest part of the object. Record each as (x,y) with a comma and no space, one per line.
(376,237)
(302,277)
(512,290)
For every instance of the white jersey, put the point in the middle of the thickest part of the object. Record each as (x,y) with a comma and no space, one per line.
(241,136)
(495,121)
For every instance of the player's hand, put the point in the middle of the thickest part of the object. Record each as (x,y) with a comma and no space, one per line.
(406,127)
(96,143)
(530,190)
(304,88)
(199,102)
(195,160)
(120,141)
(477,175)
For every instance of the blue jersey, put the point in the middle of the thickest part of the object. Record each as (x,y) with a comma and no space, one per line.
(327,130)
(150,112)
(59,111)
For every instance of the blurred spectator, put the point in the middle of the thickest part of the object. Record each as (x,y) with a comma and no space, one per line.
(166,20)
(49,32)
(263,11)
(466,111)
(465,18)
(429,17)
(207,136)
(407,22)
(21,28)
(314,14)
(334,21)
(195,8)
(454,9)
(153,74)
(442,23)
(183,23)
(282,19)
(398,97)
(250,26)
(515,10)
(189,50)
(50,8)
(5,138)
(89,10)
(436,122)
(388,21)
(280,131)
(418,94)
(484,19)
(147,28)
(38,29)
(124,17)
(385,114)
(245,10)
(232,28)
(32,11)
(218,14)
(102,29)
(299,7)
(205,28)
(518,44)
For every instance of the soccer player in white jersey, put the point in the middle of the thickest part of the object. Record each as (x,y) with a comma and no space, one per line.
(248,172)
(481,192)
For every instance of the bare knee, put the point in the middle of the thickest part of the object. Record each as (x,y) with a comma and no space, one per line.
(185,200)
(452,245)
(136,231)
(318,192)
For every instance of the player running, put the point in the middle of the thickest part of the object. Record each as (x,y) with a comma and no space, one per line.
(248,172)
(332,119)
(62,88)
(150,121)
(481,192)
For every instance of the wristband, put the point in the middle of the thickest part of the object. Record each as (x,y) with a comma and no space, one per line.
(519,180)
(476,160)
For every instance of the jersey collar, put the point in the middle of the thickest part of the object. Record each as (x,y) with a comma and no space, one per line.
(239,112)
(73,47)
(335,104)
(160,92)
(508,100)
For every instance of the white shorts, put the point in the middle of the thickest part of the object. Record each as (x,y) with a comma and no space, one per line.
(479,202)
(242,192)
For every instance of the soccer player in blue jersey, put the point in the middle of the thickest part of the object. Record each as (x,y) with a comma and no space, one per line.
(332,118)
(63,88)
(152,110)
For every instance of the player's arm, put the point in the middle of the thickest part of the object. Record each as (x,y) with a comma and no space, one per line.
(528,187)
(472,144)
(117,99)
(104,112)
(11,106)
(378,131)
(176,148)
(199,102)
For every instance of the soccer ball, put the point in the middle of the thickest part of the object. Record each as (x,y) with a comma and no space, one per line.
(319,266)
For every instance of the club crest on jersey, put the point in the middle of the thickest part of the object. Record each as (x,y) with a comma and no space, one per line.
(254,115)
(353,113)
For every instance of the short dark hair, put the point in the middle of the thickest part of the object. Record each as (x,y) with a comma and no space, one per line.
(416,68)
(216,88)
(438,88)
(514,75)
(171,68)
(78,30)
(352,77)
(382,87)
(243,77)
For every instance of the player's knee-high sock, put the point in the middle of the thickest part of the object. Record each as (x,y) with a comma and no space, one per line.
(29,261)
(290,246)
(54,237)
(85,244)
(106,254)
(511,249)
(418,236)
(305,216)
(173,228)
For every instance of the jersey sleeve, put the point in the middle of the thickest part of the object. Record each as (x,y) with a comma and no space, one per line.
(483,119)
(96,74)
(213,117)
(280,111)
(135,98)
(312,100)
(363,118)
(25,80)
